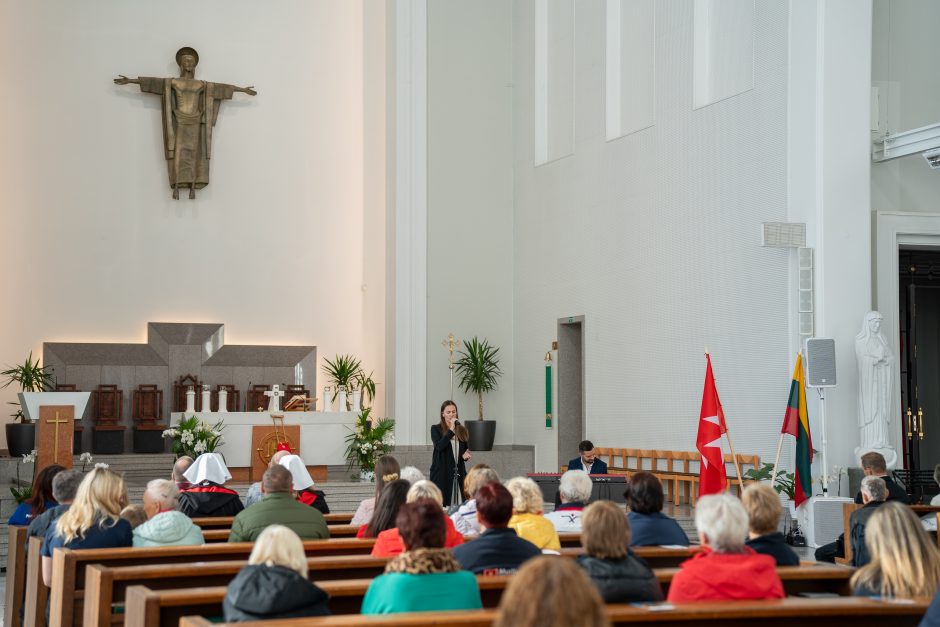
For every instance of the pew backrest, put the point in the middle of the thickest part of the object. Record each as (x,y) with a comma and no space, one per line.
(16,575)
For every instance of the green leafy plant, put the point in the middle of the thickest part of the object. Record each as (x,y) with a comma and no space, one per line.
(342,370)
(193,437)
(783,483)
(367,441)
(366,383)
(31,376)
(477,368)
(20,492)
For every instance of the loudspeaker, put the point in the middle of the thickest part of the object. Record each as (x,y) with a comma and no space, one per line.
(820,363)
(821,519)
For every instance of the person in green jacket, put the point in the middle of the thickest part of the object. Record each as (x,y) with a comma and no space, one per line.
(278,507)
(426,577)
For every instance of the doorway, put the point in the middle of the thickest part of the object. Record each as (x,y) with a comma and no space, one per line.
(919,318)
(570,387)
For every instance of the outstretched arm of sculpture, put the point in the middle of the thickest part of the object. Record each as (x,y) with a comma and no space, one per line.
(250,90)
(123,80)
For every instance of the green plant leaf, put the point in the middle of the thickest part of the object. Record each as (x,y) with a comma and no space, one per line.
(477,368)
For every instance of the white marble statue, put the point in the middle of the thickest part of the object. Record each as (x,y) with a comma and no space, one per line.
(875,389)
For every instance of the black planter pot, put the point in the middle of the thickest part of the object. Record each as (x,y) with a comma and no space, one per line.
(21,438)
(482,434)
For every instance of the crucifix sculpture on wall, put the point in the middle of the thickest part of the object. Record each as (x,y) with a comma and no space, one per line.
(190,110)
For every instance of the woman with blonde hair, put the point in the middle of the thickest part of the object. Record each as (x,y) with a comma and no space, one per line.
(465,516)
(619,575)
(550,591)
(274,584)
(527,517)
(904,562)
(387,469)
(94,519)
(389,542)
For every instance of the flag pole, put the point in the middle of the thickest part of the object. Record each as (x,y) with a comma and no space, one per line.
(734,456)
(773,478)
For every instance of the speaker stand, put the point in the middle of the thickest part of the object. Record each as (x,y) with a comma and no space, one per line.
(822,415)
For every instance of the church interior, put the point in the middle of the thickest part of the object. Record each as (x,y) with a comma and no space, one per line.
(311,224)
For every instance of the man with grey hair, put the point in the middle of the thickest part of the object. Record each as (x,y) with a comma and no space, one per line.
(730,570)
(874,494)
(279,506)
(165,526)
(182,465)
(575,492)
(64,487)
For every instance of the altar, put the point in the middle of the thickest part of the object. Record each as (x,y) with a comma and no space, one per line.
(322,434)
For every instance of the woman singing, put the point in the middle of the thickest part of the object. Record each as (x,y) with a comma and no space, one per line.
(450,453)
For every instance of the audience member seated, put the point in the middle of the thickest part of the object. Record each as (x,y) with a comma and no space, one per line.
(873,465)
(254,490)
(527,519)
(389,542)
(874,492)
(40,498)
(386,470)
(575,491)
(587,460)
(763,512)
(274,584)
(165,526)
(498,550)
(551,591)
(94,519)
(64,487)
(648,525)
(935,501)
(134,515)
(278,507)
(905,562)
(179,467)
(426,577)
(726,570)
(304,486)
(208,496)
(620,576)
(465,516)
(412,475)
(390,500)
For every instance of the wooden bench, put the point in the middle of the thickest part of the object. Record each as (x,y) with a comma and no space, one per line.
(216,522)
(106,586)
(37,593)
(840,612)
(16,575)
(69,566)
(849,508)
(163,608)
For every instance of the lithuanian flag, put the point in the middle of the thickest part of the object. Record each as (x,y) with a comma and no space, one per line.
(796,423)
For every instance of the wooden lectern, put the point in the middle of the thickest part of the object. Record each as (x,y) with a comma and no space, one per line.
(54,436)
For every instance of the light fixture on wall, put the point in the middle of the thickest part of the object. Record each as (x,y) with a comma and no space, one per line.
(933,158)
(924,140)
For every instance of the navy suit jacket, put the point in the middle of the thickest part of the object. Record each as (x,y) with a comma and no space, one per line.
(599,467)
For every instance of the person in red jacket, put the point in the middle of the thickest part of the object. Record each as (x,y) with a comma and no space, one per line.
(389,542)
(726,570)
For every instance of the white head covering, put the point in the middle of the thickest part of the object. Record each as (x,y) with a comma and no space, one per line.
(298,470)
(208,467)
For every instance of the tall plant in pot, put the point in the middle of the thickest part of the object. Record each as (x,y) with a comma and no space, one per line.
(342,371)
(477,371)
(30,376)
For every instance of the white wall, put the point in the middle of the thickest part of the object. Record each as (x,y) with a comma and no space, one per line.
(470,211)
(655,239)
(94,246)
(903,33)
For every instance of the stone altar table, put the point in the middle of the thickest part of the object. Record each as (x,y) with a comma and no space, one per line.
(322,434)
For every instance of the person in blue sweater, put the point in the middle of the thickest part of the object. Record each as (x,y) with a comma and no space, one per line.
(644,496)
(40,499)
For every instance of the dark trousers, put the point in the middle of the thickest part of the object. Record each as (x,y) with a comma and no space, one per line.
(829,552)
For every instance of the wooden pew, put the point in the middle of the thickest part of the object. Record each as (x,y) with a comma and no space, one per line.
(841,612)
(37,593)
(106,585)
(849,508)
(68,570)
(217,522)
(163,608)
(16,575)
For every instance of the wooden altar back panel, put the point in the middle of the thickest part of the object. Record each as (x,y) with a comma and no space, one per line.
(179,391)
(233,401)
(66,387)
(255,398)
(54,435)
(264,444)
(108,405)
(148,404)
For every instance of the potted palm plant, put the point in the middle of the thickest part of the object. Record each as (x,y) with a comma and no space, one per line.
(31,376)
(478,372)
(342,371)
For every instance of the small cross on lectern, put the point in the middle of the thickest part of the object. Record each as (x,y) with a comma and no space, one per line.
(275,393)
(56,422)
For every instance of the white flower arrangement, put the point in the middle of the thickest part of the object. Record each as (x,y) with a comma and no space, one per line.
(192,437)
(30,457)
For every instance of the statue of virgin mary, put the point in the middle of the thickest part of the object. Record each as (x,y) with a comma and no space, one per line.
(875,389)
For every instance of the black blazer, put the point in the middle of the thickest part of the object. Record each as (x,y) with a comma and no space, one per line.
(442,462)
(599,467)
